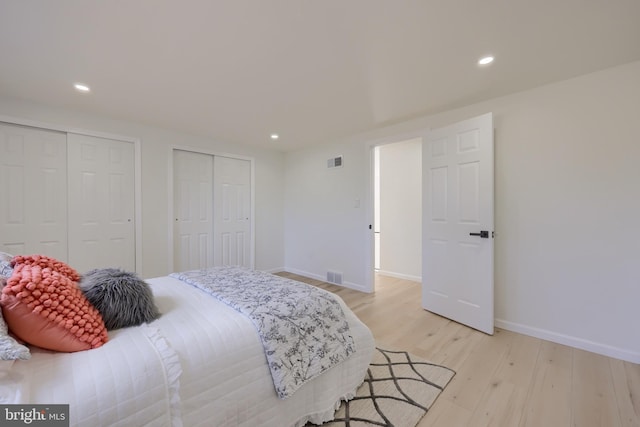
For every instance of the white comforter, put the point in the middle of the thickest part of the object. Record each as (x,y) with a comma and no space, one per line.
(200,363)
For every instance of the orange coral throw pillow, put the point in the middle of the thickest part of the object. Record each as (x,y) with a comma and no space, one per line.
(47,262)
(43,305)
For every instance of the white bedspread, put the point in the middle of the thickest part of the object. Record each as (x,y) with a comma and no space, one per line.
(200,364)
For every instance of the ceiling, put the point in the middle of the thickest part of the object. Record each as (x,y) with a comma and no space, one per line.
(311,71)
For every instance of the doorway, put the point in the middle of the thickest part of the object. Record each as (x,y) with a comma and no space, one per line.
(398,209)
(457,221)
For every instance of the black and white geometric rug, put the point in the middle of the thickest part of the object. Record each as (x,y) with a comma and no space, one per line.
(398,390)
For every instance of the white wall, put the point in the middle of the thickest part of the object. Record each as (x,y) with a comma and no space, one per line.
(156,146)
(567,209)
(322,223)
(401,209)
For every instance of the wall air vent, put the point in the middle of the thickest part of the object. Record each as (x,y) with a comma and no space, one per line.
(335,162)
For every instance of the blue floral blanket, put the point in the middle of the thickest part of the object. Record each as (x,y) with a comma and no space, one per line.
(303,329)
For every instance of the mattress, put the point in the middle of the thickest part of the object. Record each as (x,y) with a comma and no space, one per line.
(200,364)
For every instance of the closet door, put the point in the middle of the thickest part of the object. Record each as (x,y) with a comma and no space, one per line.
(101,203)
(33,191)
(232,211)
(212,211)
(193,210)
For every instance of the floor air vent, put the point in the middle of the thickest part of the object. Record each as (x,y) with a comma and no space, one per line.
(334,277)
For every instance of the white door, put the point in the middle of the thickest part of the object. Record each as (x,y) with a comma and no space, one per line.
(457,266)
(101,203)
(232,211)
(33,191)
(193,210)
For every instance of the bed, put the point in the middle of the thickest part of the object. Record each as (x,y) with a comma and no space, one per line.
(201,363)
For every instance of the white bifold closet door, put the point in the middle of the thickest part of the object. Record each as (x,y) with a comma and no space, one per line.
(212,211)
(33,191)
(101,186)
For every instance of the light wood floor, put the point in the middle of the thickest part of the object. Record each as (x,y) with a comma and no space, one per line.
(506,379)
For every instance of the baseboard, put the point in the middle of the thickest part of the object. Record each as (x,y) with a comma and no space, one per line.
(604,349)
(400,276)
(345,284)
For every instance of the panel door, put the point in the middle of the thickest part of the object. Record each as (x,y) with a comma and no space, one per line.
(457,272)
(101,185)
(33,191)
(193,210)
(232,211)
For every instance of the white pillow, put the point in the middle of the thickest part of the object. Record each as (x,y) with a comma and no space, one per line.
(5,270)
(5,266)
(10,349)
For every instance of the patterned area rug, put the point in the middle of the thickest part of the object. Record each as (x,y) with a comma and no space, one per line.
(398,391)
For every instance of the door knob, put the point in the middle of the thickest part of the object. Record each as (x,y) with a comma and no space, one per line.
(483,234)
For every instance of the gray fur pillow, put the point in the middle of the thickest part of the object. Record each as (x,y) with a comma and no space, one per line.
(121,297)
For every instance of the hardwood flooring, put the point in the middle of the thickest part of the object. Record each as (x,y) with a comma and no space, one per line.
(507,379)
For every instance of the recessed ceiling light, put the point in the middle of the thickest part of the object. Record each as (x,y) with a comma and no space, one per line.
(80,87)
(486,60)
(274,136)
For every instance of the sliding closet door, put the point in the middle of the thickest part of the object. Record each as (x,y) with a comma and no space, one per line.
(212,211)
(232,211)
(33,191)
(193,210)
(101,203)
